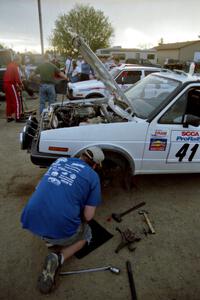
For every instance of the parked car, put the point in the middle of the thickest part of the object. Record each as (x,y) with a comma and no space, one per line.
(125,76)
(142,61)
(153,128)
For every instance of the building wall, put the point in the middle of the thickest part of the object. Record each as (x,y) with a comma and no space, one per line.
(187,53)
(163,54)
(139,54)
(131,55)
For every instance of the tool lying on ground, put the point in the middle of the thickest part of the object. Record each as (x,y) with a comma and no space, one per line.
(108,268)
(144,213)
(131,280)
(128,238)
(118,217)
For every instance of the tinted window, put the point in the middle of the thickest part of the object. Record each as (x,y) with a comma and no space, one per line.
(175,114)
(150,56)
(189,104)
(129,77)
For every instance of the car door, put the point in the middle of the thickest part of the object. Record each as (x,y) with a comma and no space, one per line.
(127,78)
(172,144)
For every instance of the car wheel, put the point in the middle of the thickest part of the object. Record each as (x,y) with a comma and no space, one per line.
(116,168)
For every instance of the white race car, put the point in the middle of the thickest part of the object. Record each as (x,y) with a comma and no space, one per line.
(152,128)
(125,76)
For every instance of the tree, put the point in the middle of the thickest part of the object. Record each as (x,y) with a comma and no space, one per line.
(2,46)
(84,20)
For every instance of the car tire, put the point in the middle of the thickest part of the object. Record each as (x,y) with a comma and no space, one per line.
(116,163)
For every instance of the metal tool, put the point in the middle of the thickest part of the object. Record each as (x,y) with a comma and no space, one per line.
(118,217)
(108,268)
(131,280)
(144,213)
(128,238)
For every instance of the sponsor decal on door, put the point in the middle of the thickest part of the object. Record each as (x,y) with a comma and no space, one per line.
(157,144)
(184,146)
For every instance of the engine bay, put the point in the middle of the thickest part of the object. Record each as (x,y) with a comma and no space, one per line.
(77,114)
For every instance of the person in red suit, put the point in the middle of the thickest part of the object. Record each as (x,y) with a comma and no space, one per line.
(12,87)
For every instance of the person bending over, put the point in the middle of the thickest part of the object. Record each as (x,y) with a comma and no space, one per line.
(59,209)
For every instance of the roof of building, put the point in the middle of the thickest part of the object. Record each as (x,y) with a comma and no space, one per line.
(174,46)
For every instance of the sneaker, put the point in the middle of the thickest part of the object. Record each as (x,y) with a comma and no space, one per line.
(10,119)
(20,120)
(46,280)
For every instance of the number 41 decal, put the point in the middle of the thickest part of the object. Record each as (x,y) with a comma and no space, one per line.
(183,151)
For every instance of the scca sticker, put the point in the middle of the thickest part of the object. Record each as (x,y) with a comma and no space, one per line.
(158,144)
(188,136)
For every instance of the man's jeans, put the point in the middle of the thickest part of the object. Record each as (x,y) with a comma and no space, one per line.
(47,93)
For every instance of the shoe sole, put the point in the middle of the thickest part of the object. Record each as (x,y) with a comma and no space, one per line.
(47,278)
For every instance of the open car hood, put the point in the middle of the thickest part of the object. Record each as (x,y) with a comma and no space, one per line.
(118,101)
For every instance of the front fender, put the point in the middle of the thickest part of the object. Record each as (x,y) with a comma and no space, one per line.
(115,149)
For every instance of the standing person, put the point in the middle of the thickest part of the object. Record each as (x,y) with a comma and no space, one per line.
(85,71)
(104,60)
(79,61)
(12,86)
(48,72)
(75,76)
(59,209)
(55,61)
(26,83)
(68,66)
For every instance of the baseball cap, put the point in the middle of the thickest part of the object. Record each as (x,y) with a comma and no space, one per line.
(95,154)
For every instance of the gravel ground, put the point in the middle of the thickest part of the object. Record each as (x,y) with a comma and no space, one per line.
(166,266)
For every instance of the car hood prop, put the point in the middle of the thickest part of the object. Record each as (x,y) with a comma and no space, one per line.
(105,77)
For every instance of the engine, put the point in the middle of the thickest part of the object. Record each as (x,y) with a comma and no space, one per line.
(72,115)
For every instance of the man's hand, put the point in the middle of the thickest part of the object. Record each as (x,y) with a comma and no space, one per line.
(62,75)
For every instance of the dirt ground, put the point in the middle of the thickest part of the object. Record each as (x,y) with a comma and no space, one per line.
(166,266)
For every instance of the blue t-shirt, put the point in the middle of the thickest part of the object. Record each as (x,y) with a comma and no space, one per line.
(54,210)
(85,68)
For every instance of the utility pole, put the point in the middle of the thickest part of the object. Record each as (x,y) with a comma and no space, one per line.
(40,24)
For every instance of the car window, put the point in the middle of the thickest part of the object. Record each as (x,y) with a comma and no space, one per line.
(188,103)
(193,103)
(176,113)
(129,77)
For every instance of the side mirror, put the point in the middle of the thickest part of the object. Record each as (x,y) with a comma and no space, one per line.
(191,120)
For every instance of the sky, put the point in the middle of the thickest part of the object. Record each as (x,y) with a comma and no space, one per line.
(136,23)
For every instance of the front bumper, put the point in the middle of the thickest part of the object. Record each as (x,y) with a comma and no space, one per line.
(29,140)
(42,159)
(28,133)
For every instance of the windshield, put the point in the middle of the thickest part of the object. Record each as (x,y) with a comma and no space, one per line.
(148,94)
(114,72)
